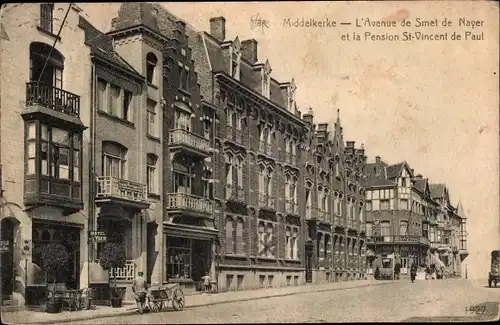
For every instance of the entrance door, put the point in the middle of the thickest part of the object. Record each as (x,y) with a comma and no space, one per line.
(309,255)
(7,266)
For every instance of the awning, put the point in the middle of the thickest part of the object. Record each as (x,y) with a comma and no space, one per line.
(437,261)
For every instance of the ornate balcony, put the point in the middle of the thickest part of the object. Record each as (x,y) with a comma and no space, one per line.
(235,193)
(192,144)
(291,207)
(267,202)
(326,264)
(121,191)
(234,135)
(265,148)
(187,203)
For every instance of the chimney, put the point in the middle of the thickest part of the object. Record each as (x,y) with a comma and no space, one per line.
(377,159)
(218,28)
(419,176)
(322,131)
(308,117)
(249,50)
(350,144)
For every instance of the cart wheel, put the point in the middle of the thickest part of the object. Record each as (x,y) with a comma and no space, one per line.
(178,299)
(153,306)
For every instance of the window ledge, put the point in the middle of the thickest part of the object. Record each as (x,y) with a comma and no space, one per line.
(292,260)
(116,118)
(152,85)
(154,196)
(231,255)
(153,138)
(48,33)
(266,258)
(184,91)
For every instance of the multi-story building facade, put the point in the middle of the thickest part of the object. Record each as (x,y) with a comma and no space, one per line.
(45,75)
(398,213)
(451,242)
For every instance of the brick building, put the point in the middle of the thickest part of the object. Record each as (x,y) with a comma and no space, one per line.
(44,107)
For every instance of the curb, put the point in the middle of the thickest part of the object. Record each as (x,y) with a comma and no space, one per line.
(134,312)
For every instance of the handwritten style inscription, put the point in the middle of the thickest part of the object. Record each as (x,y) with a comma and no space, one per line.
(256,22)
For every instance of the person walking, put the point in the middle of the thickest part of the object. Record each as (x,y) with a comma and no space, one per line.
(413,272)
(140,289)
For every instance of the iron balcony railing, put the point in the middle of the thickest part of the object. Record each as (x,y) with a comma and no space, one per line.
(181,136)
(114,187)
(235,193)
(54,98)
(126,273)
(184,201)
(267,201)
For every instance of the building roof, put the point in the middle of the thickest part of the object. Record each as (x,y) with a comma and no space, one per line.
(374,179)
(101,45)
(133,14)
(460,210)
(437,190)
(420,184)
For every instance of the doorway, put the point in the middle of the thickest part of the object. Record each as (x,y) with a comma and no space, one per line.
(309,255)
(7,266)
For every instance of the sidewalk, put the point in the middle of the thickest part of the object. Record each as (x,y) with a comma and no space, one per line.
(198,300)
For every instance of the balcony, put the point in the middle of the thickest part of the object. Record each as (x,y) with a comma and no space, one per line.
(267,202)
(362,227)
(126,273)
(42,190)
(291,207)
(339,221)
(235,193)
(265,148)
(310,212)
(326,264)
(187,203)
(52,103)
(121,191)
(193,144)
(234,135)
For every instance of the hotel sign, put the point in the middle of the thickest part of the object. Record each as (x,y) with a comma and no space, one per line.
(5,246)
(97,236)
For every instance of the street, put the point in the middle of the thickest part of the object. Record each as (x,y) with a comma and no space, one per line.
(396,302)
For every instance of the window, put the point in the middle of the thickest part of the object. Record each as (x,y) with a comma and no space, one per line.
(292,233)
(265,181)
(152,127)
(206,129)
(151,62)
(31,144)
(114,100)
(403,182)
(267,244)
(46,17)
(183,172)
(337,170)
(239,172)
(229,235)
(101,95)
(182,120)
(229,169)
(178,258)
(384,204)
(183,77)
(339,206)
(361,214)
(127,101)
(114,160)
(114,96)
(368,205)
(404,204)
(385,228)
(151,174)
(239,244)
(403,227)
(46,69)
(59,164)
(76,156)
(369,229)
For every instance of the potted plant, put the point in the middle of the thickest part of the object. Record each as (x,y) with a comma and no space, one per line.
(54,259)
(113,256)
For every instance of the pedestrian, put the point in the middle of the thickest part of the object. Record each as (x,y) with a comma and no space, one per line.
(140,289)
(413,272)
(206,281)
(427,272)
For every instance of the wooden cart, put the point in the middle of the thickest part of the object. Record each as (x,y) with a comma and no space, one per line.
(159,296)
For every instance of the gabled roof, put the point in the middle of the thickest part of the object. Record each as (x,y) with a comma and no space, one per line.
(394,171)
(377,180)
(460,210)
(437,190)
(101,45)
(420,184)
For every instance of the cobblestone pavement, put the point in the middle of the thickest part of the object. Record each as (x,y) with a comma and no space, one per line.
(441,300)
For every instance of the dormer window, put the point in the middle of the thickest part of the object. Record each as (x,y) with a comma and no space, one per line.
(235,59)
(266,80)
(291,96)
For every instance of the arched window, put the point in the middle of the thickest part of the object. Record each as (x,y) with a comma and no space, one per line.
(52,74)
(229,235)
(114,159)
(151,176)
(403,227)
(151,62)
(239,171)
(385,229)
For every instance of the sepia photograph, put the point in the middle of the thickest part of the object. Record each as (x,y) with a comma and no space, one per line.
(249,162)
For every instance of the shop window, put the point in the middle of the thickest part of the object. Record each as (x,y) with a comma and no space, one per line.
(178,258)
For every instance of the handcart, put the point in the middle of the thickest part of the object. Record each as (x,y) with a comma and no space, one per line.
(159,296)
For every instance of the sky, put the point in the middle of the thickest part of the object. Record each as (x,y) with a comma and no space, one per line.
(433,104)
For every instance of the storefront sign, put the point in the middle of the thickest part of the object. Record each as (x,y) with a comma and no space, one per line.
(4,246)
(98,236)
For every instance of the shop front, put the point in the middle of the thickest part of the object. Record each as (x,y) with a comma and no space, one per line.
(189,255)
